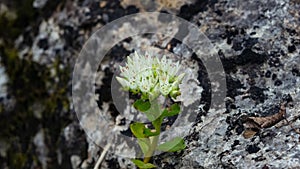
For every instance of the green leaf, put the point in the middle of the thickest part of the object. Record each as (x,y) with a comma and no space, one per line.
(141,164)
(138,129)
(174,145)
(144,144)
(175,93)
(154,111)
(173,110)
(149,133)
(142,105)
(157,125)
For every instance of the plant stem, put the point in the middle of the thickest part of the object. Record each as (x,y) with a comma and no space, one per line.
(157,125)
(153,146)
(102,156)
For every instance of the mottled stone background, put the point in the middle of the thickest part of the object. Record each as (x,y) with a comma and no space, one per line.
(257,41)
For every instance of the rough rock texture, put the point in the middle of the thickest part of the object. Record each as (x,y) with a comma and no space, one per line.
(257,41)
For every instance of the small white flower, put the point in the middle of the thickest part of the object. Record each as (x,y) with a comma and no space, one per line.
(150,76)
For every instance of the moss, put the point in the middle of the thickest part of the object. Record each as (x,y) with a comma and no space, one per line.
(26,15)
(30,83)
(7,28)
(12,27)
(1,108)
(27,84)
(17,160)
(25,12)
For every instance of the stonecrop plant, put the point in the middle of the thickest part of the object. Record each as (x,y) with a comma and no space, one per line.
(150,78)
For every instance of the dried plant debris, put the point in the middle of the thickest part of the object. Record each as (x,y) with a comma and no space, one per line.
(293,118)
(248,133)
(269,121)
(255,124)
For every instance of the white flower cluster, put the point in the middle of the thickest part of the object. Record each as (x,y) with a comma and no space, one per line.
(150,76)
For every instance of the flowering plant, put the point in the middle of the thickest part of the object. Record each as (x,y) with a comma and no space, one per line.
(151,77)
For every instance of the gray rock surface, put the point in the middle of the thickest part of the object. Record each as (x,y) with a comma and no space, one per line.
(257,41)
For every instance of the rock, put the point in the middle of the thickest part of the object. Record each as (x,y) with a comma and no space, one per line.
(4,146)
(3,81)
(257,41)
(41,148)
(39,3)
(75,161)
